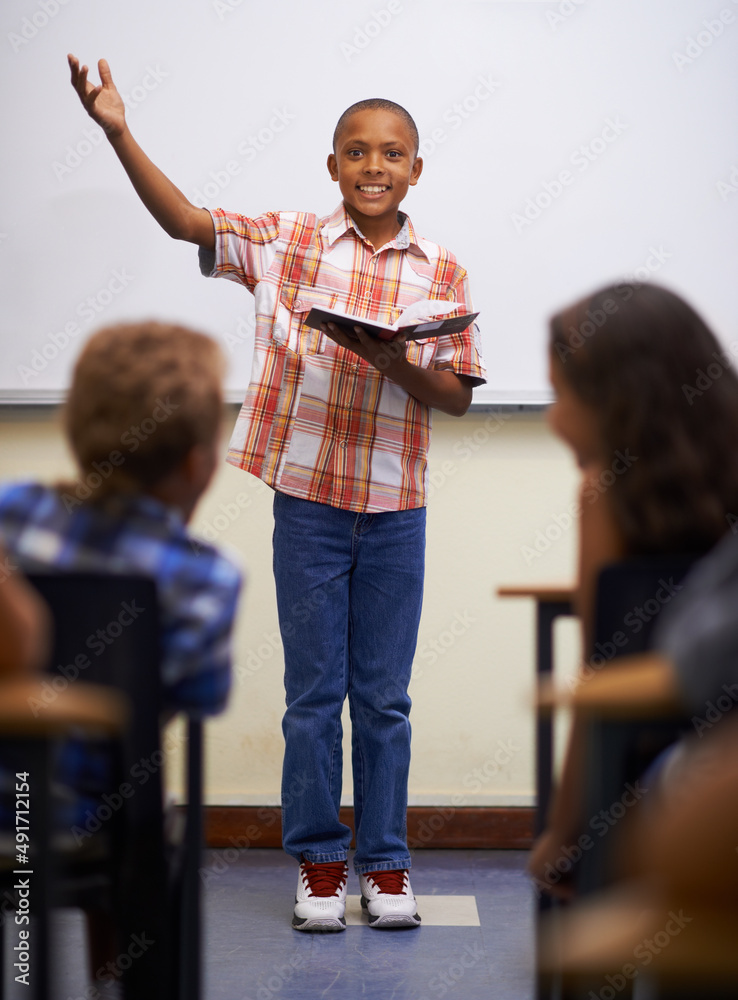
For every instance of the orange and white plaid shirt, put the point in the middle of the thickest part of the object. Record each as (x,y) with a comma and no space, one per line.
(318,422)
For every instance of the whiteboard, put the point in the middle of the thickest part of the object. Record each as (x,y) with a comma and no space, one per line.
(566,144)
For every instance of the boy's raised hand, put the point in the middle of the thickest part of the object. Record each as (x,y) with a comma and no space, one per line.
(172,210)
(102,103)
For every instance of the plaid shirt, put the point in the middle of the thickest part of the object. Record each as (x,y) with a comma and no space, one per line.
(318,422)
(197,591)
(197,587)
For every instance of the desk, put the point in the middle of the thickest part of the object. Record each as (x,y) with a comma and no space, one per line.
(551,603)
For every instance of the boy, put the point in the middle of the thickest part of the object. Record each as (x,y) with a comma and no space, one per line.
(142,417)
(339,427)
(128,511)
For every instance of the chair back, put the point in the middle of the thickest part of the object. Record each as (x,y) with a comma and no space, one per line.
(630,596)
(106,631)
(629,599)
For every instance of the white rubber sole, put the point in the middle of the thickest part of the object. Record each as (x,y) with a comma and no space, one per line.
(319,925)
(390,921)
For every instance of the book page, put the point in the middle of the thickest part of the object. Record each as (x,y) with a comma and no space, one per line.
(424,309)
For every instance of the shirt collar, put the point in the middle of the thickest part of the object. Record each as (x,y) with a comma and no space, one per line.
(122,505)
(340,222)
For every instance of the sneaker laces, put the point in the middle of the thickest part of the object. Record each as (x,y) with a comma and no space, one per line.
(326,879)
(391,883)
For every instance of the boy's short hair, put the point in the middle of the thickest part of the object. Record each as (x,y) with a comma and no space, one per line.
(377,104)
(142,395)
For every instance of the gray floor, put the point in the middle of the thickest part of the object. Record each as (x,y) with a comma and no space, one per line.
(252,953)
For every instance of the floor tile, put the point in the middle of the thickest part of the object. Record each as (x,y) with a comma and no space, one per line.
(435,911)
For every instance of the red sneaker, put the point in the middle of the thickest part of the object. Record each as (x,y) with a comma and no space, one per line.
(388,900)
(320,902)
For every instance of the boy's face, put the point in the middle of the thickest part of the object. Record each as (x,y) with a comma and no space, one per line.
(374,164)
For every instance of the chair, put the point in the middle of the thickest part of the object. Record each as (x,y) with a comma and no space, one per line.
(630,597)
(89,709)
(673,915)
(107,632)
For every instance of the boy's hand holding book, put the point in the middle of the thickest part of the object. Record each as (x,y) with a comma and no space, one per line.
(418,321)
(380,353)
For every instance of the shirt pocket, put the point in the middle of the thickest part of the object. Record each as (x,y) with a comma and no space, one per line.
(295,302)
(421,352)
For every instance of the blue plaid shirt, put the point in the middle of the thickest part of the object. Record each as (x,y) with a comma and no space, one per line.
(197,586)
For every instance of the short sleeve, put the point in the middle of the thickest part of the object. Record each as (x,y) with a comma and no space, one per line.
(244,247)
(20,505)
(198,609)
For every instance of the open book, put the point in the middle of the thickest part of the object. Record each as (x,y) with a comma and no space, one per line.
(418,322)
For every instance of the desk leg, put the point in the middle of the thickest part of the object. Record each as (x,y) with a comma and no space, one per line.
(547,613)
(191,937)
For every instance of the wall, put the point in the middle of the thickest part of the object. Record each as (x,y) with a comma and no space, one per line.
(497,514)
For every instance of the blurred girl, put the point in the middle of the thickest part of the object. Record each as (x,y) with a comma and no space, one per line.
(648,402)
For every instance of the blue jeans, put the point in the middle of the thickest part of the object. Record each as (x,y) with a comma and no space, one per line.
(349,594)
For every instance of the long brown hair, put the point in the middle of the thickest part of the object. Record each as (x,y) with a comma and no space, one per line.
(662,386)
